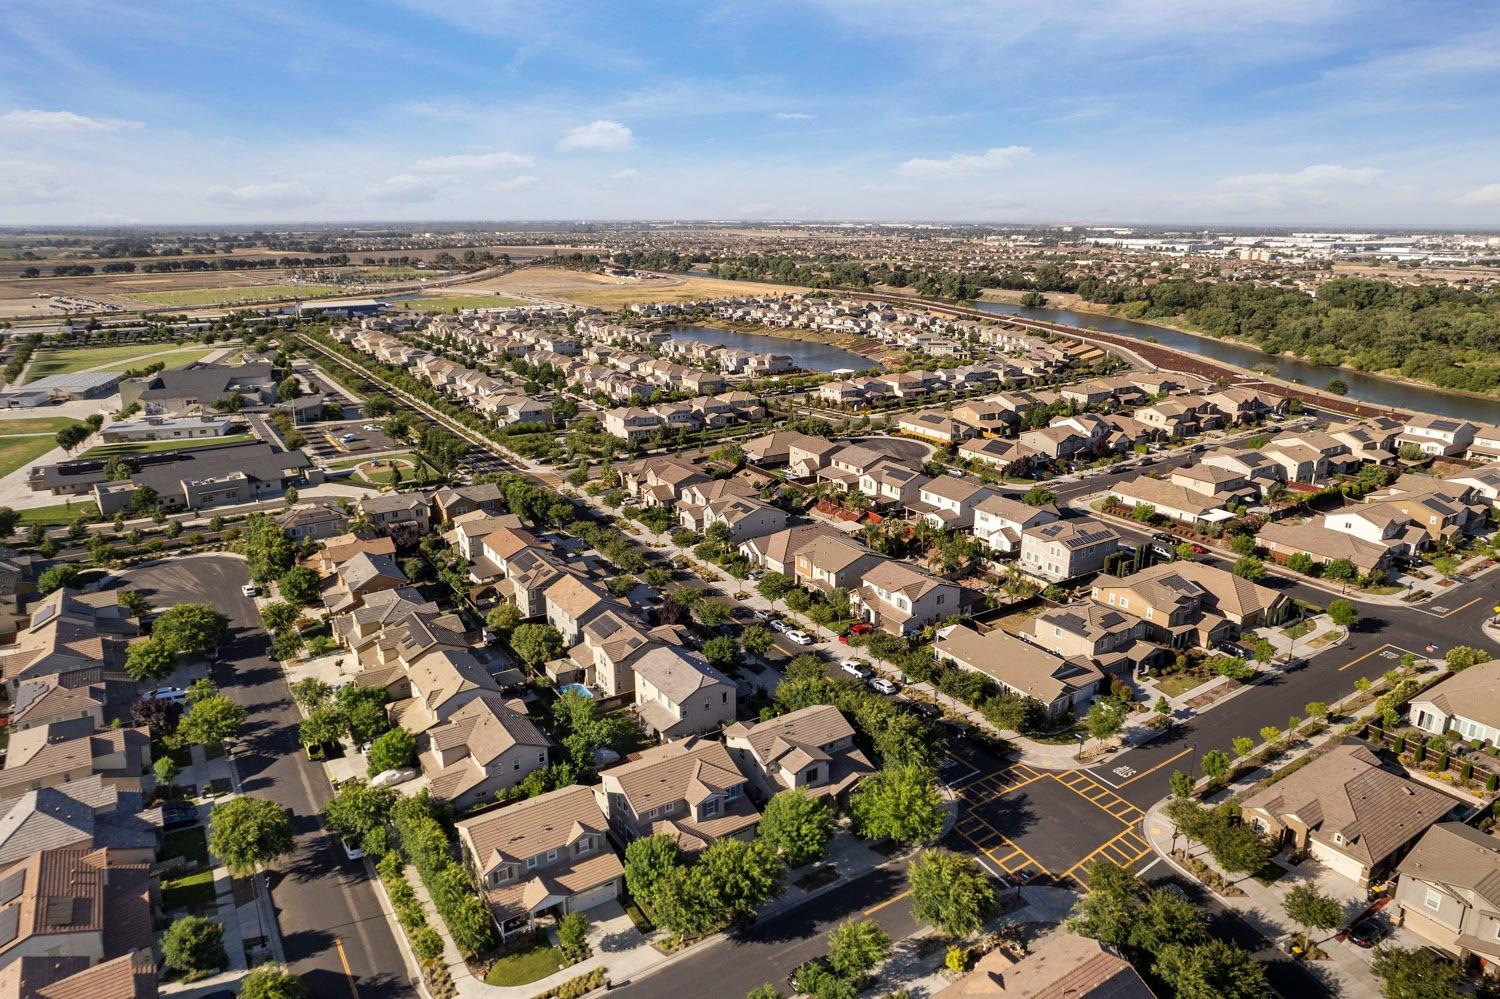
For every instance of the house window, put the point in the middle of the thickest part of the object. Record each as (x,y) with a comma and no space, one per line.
(541,757)
(551,855)
(1433,901)
(531,863)
(711,808)
(733,792)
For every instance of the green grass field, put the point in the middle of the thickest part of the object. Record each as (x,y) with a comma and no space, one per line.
(151,447)
(236,295)
(57,515)
(39,425)
(65,362)
(18,452)
(449,303)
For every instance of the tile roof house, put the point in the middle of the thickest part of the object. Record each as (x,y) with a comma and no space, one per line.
(777,552)
(1322,545)
(485,746)
(1448,891)
(129,976)
(74,901)
(363,575)
(89,813)
(1064,966)
(63,752)
(677,693)
(689,790)
(1066,549)
(550,854)
(811,748)
(1000,520)
(69,631)
(1059,685)
(1467,702)
(900,598)
(1349,810)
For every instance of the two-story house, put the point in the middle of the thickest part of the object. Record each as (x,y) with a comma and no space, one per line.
(1467,703)
(900,598)
(677,693)
(1066,549)
(689,790)
(891,483)
(833,561)
(1061,686)
(1448,892)
(486,746)
(1439,435)
(811,748)
(947,501)
(546,856)
(1000,520)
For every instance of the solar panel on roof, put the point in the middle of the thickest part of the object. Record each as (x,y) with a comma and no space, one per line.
(11,887)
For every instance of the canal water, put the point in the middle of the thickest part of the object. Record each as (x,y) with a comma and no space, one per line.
(804,353)
(1363,387)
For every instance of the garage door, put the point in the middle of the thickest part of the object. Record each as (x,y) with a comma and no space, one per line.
(1338,862)
(594,896)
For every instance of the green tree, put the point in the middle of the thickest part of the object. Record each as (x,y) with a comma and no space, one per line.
(1310,909)
(1106,912)
(951,892)
(8,520)
(797,826)
(279,616)
(57,577)
(1340,570)
(149,660)
(711,613)
(310,692)
(1317,709)
(1213,969)
(1461,657)
(1242,544)
(165,771)
(757,639)
(322,727)
(722,652)
(774,586)
(572,935)
(900,803)
(247,833)
(194,947)
(271,981)
(392,751)
(190,628)
(1038,496)
(503,618)
(648,860)
(1242,745)
(298,585)
(536,643)
(739,875)
(1162,918)
(1249,567)
(1181,784)
(1343,613)
(266,547)
(210,721)
(1106,716)
(766,991)
(357,809)
(1216,763)
(1415,974)
(857,948)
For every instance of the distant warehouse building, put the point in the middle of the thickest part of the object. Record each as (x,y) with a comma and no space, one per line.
(161,428)
(62,388)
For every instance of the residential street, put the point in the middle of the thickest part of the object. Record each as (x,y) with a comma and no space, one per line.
(334,933)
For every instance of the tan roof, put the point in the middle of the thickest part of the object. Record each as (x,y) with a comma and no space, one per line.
(573,596)
(685,770)
(1349,792)
(677,673)
(894,575)
(1473,694)
(547,822)
(1229,593)
(814,726)
(1454,855)
(1062,967)
(1315,539)
(1023,667)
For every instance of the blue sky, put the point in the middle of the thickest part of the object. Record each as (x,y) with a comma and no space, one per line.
(1263,111)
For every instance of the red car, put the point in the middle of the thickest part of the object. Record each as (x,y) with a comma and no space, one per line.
(1199,550)
(856,629)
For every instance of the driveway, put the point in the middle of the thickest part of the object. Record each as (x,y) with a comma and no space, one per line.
(326,907)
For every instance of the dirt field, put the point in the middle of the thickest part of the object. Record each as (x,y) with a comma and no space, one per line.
(231,296)
(461,298)
(607,292)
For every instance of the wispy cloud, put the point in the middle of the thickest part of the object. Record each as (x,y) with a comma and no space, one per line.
(599,136)
(281,194)
(475,161)
(63,121)
(794,116)
(522,182)
(1312,186)
(964,164)
(1489,194)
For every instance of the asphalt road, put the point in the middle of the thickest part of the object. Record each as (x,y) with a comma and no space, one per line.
(769,952)
(333,931)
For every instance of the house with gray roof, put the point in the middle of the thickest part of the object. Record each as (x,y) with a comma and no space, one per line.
(1448,891)
(677,693)
(1467,703)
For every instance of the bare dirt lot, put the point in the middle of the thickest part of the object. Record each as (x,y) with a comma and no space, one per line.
(607,292)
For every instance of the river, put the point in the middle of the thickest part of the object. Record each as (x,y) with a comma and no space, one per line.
(1363,387)
(807,354)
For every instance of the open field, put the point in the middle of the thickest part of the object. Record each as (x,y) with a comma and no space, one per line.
(233,296)
(444,303)
(606,292)
(18,452)
(58,513)
(151,447)
(67,361)
(37,425)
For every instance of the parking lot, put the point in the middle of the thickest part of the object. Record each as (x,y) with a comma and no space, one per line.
(325,440)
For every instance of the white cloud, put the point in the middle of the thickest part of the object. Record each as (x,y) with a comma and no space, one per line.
(603,136)
(276,195)
(410,187)
(629,173)
(525,180)
(1489,194)
(63,121)
(794,116)
(475,161)
(964,164)
(1319,185)
(1319,175)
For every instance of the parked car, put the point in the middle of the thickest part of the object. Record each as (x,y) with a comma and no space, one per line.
(370,426)
(884,686)
(762,616)
(174,694)
(777,624)
(800,637)
(390,778)
(351,850)
(178,815)
(855,668)
(1369,931)
(1199,550)
(862,628)
(250,590)
(1293,664)
(346,438)
(1163,538)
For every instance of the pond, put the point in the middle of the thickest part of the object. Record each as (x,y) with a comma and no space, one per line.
(1362,387)
(804,353)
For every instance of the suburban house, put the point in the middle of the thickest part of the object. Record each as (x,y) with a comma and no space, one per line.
(677,693)
(999,521)
(947,501)
(1111,639)
(1349,811)
(570,602)
(546,856)
(74,906)
(1061,686)
(484,747)
(1187,603)
(1439,435)
(1004,455)
(900,598)
(1170,499)
(689,790)
(1065,549)
(778,551)
(69,632)
(404,516)
(64,752)
(1064,966)
(1467,703)
(811,748)
(1323,545)
(889,482)
(1448,892)
(829,562)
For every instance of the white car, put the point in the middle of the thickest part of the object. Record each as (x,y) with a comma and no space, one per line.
(800,637)
(351,851)
(778,625)
(884,686)
(349,437)
(370,426)
(250,590)
(855,668)
(762,616)
(174,694)
(390,778)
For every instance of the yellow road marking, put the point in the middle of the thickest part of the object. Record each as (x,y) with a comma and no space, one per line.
(1007,840)
(1375,652)
(1455,610)
(1153,770)
(348,971)
(1112,842)
(890,901)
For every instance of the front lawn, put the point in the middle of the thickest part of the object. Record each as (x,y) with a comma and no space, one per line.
(67,360)
(526,966)
(1297,630)
(190,844)
(1177,684)
(57,515)
(18,452)
(194,892)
